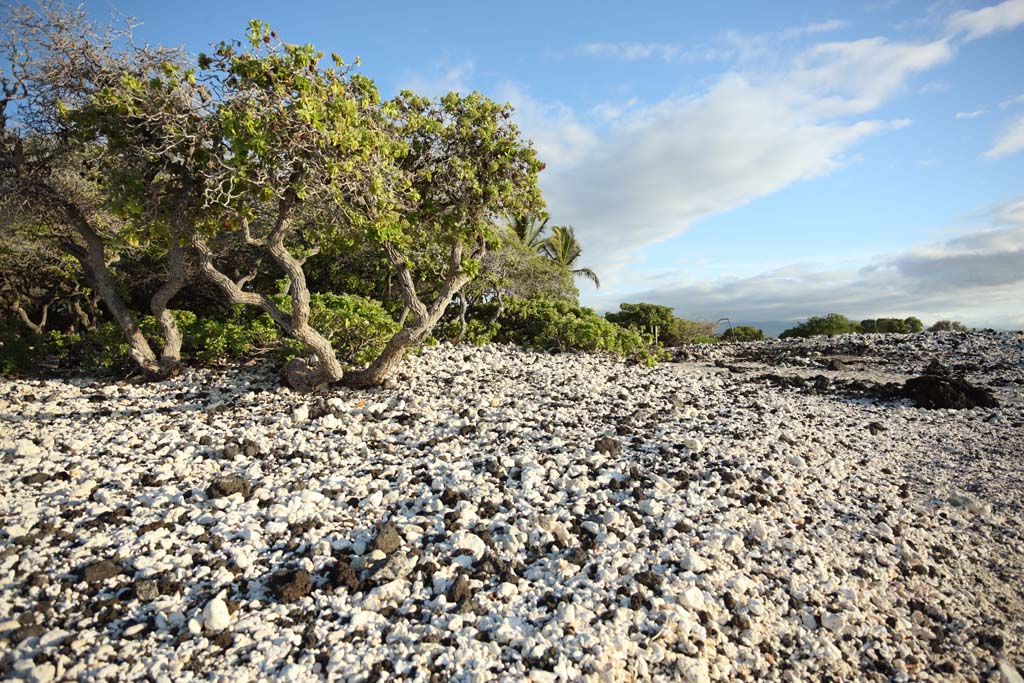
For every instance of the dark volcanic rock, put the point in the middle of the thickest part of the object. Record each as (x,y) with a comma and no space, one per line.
(228,485)
(291,585)
(876,428)
(936,391)
(25,632)
(608,445)
(99,571)
(388,540)
(459,590)
(342,575)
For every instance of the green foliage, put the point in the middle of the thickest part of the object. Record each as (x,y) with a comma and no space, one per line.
(563,248)
(743,333)
(357,327)
(478,332)
(516,270)
(659,321)
(948,326)
(646,317)
(833,323)
(887,326)
(552,324)
(19,348)
(102,348)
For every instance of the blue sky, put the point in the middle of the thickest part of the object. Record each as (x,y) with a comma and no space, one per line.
(761,161)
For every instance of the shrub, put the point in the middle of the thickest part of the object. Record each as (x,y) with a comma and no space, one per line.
(478,332)
(948,326)
(914,324)
(19,348)
(564,326)
(660,322)
(743,333)
(357,327)
(833,323)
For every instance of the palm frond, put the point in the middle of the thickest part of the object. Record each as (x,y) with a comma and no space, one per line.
(589,274)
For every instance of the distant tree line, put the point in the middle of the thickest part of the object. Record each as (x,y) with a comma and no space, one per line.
(834,323)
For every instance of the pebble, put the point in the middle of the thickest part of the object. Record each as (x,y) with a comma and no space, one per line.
(465,520)
(216,616)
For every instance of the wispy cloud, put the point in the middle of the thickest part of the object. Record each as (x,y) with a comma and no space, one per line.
(979,23)
(656,169)
(441,79)
(934,86)
(1012,102)
(723,50)
(666,52)
(796,32)
(942,280)
(970,114)
(1009,142)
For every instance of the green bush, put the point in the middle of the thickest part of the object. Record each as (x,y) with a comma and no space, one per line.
(743,333)
(478,332)
(661,323)
(564,326)
(20,349)
(948,326)
(833,323)
(356,326)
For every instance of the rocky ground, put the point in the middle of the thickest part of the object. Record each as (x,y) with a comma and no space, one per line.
(770,511)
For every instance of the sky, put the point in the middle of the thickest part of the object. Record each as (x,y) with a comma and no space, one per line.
(763,162)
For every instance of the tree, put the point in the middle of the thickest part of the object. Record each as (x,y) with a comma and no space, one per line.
(55,61)
(914,325)
(514,271)
(655,320)
(743,333)
(563,248)
(468,165)
(41,286)
(948,326)
(833,323)
(661,323)
(298,157)
(529,230)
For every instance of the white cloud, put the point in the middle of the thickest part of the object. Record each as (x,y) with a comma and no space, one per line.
(812,29)
(977,277)
(729,45)
(651,171)
(445,78)
(934,86)
(1005,16)
(970,114)
(666,52)
(1012,102)
(1010,142)
(560,138)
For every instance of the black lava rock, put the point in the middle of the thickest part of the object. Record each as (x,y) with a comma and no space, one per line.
(228,485)
(937,391)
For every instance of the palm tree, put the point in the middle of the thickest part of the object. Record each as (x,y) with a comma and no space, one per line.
(529,230)
(563,248)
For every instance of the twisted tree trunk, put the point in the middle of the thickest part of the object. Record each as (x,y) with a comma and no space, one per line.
(93,260)
(170,354)
(298,374)
(37,328)
(463,306)
(424,318)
